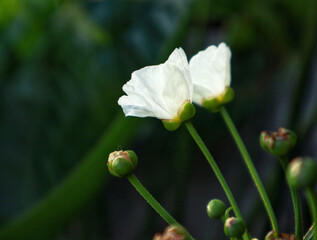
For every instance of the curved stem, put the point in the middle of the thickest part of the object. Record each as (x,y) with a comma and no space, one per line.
(296,203)
(154,204)
(214,166)
(250,167)
(311,197)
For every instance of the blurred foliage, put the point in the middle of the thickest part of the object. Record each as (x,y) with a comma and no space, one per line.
(62,66)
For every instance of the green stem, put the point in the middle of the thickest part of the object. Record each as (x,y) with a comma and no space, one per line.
(250,167)
(296,203)
(215,168)
(311,196)
(154,204)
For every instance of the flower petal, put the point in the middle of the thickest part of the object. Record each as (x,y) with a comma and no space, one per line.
(210,72)
(158,91)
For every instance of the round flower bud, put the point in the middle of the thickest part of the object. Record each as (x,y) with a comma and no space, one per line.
(234,227)
(278,143)
(302,172)
(172,232)
(122,163)
(272,235)
(216,208)
(214,104)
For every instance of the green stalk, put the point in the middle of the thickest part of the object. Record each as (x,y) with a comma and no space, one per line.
(250,167)
(296,203)
(154,204)
(215,168)
(311,197)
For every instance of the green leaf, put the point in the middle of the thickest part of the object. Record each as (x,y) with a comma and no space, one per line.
(81,185)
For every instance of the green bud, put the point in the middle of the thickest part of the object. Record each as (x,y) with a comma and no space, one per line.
(278,143)
(214,104)
(272,235)
(234,227)
(216,208)
(122,163)
(302,172)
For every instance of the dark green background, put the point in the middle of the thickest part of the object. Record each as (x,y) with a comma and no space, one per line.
(62,67)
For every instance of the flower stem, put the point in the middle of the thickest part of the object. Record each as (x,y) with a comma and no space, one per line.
(296,203)
(311,197)
(215,168)
(250,167)
(154,204)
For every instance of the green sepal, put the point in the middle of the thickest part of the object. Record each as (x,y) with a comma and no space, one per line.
(214,104)
(133,157)
(187,112)
(123,167)
(301,172)
(171,125)
(228,96)
(216,208)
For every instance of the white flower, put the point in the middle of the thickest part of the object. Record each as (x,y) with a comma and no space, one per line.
(210,72)
(159,91)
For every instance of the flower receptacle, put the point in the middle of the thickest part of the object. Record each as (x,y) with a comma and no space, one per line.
(122,163)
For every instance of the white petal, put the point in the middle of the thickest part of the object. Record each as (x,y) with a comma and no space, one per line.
(210,72)
(178,59)
(158,91)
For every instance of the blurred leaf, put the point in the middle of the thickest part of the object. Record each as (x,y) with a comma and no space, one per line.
(82,184)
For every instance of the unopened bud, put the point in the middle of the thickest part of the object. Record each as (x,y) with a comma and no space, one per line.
(213,104)
(278,143)
(272,235)
(216,208)
(172,232)
(302,172)
(122,163)
(234,227)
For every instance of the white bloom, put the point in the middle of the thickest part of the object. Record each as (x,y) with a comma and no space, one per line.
(210,72)
(159,91)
